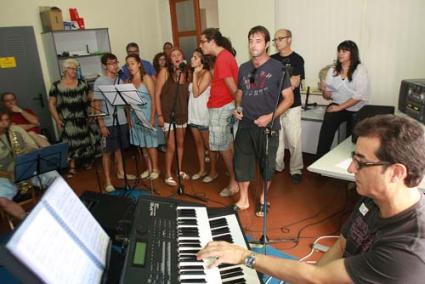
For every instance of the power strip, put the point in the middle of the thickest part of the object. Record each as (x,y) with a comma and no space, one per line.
(320,247)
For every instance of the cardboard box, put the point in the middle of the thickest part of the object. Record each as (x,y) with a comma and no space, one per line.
(51,19)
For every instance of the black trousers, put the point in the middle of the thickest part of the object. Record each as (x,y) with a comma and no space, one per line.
(331,122)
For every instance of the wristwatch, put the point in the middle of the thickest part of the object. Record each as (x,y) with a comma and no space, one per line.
(250,260)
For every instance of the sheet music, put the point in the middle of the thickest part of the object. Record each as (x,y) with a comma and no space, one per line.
(111,95)
(46,248)
(74,214)
(130,94)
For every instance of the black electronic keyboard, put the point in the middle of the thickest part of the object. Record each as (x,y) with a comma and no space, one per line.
(166,236)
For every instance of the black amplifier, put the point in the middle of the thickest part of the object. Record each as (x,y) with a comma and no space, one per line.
(411,100)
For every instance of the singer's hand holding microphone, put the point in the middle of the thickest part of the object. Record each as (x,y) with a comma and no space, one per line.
(237,113)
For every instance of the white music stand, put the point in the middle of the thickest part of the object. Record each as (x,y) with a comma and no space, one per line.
(122,95)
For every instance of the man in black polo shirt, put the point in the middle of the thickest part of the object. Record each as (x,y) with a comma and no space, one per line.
(290,120)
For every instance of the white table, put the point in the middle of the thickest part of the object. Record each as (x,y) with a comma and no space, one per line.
(311,122)
(335,163)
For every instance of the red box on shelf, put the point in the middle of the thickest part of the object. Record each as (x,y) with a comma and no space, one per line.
(73,13)
(80,22)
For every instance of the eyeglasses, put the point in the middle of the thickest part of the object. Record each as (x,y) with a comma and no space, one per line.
(279,38)
(360,165)
(251,76)
(202,41)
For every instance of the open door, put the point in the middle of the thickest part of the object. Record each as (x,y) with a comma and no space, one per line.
(186,24)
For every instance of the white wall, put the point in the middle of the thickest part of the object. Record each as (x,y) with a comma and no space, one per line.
(142,21)
(211,10)
(236,18)
(390,36)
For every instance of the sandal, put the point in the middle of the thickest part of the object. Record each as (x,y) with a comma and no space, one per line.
(198,176)
(184,175)
(129,176)
(170,181)
(259,210)
(227,192)
(145,174)
(209,179)
(154,175)
(71,172)
(109,188)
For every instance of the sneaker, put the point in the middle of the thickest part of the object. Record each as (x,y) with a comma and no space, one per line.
(296,178)
(170,181)
(109,188)
(145,174)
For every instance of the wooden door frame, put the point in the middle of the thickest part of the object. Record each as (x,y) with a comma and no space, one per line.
(197,15)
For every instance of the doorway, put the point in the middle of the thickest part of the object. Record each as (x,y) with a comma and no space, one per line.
(189,18)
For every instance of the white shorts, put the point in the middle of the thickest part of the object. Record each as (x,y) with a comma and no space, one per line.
(166,126)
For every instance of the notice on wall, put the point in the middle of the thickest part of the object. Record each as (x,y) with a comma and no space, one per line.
(7,62)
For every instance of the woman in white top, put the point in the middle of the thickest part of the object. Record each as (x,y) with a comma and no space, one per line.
(199,91)
(347,86)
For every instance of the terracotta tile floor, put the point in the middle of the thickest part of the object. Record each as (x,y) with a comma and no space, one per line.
(299,213)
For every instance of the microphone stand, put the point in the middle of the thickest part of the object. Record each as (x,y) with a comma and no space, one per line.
(180,186)
(269,132)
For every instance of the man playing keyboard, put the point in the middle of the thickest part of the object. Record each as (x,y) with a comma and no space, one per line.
(384,239)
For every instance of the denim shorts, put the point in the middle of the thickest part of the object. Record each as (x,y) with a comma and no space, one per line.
(199,127)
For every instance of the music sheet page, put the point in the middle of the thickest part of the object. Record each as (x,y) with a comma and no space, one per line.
(72,211)
(111,95)
(46,248)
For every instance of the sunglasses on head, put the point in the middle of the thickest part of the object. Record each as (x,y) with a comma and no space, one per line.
(252,76)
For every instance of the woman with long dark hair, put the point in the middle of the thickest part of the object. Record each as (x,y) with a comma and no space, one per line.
(199,90)
(347,86)
(171,93)
(159,62)
(146,137)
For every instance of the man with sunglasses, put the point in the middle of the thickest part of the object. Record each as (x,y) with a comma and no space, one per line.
(383,241)
(260,91)
(290,120)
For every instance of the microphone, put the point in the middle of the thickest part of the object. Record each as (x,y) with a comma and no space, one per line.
(182,66)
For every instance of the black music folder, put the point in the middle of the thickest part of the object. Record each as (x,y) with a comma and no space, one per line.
(40,161)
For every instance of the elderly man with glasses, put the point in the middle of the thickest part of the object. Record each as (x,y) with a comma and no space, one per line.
(291,119)
(384,239)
